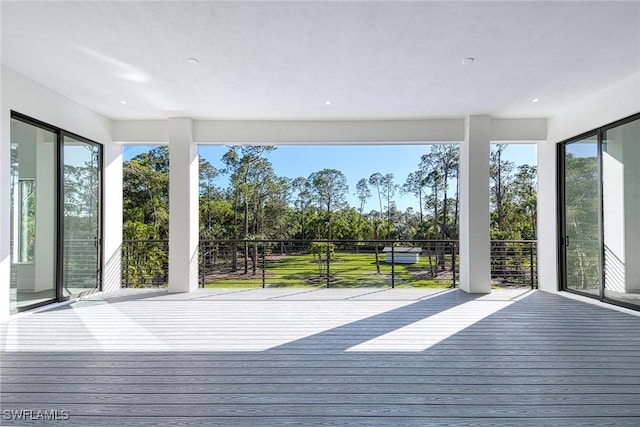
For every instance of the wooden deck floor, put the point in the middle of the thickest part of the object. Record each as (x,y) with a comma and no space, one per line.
(356,357)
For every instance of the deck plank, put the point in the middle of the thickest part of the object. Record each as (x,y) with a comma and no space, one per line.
(365,357)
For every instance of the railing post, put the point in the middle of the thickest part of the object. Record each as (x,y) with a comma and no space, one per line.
(531,263)
(202,255)
(126,256)
(264,284)
(393,266)
(328,265)
(453,262)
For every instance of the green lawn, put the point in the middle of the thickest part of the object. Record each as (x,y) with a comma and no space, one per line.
(348,270)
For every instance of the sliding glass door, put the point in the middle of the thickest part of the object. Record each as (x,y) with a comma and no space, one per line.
(581,242)
(621,212)
(599,205)
(81,216)
(55,214)
(32,215)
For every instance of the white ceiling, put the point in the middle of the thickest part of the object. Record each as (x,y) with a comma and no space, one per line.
(284,60)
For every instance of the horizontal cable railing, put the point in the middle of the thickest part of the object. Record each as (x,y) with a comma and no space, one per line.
(145,263)
(323,263)
(80,263)
(514,262)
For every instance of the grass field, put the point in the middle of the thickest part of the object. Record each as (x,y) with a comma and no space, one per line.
(347,270)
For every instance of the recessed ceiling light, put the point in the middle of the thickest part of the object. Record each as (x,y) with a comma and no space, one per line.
(193,61)
(467,61)
(327,102)
(123,102)
(534,100)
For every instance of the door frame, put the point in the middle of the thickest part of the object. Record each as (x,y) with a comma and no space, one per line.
(60,217)
(561,212)
(59,210)
(562,218)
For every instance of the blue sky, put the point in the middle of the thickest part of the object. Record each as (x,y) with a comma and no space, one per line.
(354,161)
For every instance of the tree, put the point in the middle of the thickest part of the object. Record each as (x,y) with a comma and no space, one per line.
(415,184)
(146,214)
(376,180)
(501,177)
(322,253)
(258,204)
(303,198)
(525,183)
(81,195)
(276,212)
(440,167)
(513,211)
(581,207)
(449,159)
(363,192)
(429,165)
(389,190)
(209,192)
(330,189)
(146,193)
(246,166)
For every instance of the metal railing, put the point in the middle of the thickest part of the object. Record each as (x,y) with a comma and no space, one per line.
(80,263)
(145,263)
(514,262)
(336,263)
(322,263)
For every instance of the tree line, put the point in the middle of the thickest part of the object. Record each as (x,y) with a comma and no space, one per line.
(257,203)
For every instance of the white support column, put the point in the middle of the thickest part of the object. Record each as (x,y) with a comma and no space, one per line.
(475,273)
(183,206)
(112,220)
(547,218)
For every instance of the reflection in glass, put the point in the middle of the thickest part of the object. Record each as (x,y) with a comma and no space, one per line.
(81,216)
(581,216)
(26,219)
(621,205)
(32,215)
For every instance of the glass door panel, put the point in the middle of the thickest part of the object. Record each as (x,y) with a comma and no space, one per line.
(32,215)
(581,240)
(81,217)
(621,204)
